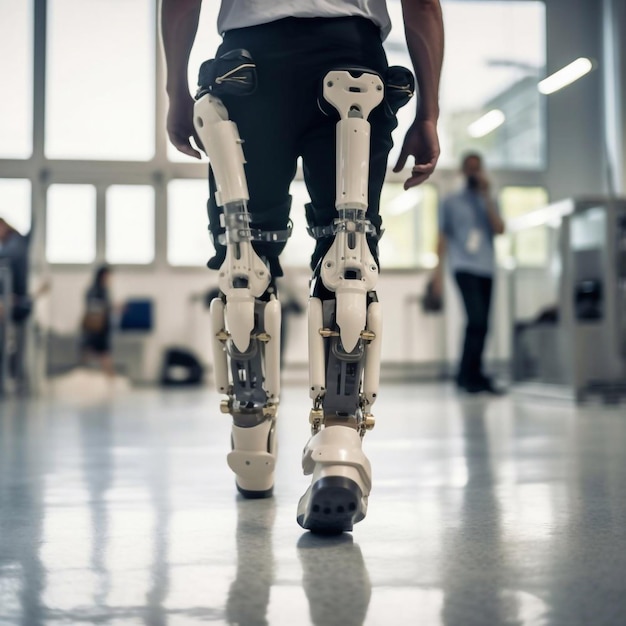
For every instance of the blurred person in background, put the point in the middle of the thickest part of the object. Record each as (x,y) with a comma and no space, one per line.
(14,256)
(14,252)
(468,223)
(97,322)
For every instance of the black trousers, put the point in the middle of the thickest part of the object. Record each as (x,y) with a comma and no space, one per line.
(476,293)
(282,121)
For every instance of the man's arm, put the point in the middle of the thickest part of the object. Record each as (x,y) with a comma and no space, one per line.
(423,26)
(444,228)
(438,272)
(179,23)
(497,223)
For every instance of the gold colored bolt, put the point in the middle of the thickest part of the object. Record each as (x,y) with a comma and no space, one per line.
(223,335)
(270,410)
(316,416)
(369,421)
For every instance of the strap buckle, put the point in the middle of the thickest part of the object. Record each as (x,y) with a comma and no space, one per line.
(343,226)
(259,235)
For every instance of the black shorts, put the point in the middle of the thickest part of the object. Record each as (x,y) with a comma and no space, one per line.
(282,121)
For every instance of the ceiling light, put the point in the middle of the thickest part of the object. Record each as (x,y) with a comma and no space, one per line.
(565,76)
(486,124)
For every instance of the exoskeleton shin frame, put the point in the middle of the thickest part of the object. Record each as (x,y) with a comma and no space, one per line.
(246,317)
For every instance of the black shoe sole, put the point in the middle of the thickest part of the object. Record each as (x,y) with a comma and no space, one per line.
(255,495)
(334,506)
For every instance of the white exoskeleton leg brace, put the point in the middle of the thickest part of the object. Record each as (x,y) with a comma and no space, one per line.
(246,320)
(352,322)
(345,325)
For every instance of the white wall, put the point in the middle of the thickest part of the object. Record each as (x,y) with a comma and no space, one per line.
(414,339)
(410,337)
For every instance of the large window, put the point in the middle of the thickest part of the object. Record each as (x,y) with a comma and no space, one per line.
(188,241)
(100,105)
(410,223)
(130,224)
(71,224)
(100,79)
(531,248)
(15,203)
(489,97)
(16,78)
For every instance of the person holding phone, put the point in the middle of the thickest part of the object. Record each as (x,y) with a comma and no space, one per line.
(468,223)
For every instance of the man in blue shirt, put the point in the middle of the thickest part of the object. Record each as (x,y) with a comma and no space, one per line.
(468,222)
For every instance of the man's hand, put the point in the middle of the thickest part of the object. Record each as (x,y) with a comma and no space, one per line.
(484,185)
(180,125)
(422,143)
(437,282)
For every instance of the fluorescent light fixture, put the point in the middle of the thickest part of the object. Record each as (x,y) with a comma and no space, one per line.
(550,215)
(486,124)
(565,76)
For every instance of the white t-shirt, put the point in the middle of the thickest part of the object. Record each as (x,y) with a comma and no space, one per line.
(244,13)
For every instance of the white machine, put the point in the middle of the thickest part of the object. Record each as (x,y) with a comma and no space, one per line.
(345,319)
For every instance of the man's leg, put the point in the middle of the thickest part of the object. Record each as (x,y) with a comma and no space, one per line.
(485,290)
(266,124)
(248,227)
(341,474)
(475,292)
(320,173)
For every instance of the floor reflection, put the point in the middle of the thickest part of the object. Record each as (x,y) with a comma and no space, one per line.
(159,473)
(22,574)
(96,442)
(488,513)
(335,580)
(475,564)
(587,573)
(249,594)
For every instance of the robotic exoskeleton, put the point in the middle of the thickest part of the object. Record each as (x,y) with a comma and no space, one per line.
(344,315)
(246,318)
(345,323)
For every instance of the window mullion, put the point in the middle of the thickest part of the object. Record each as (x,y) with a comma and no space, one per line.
(100,223)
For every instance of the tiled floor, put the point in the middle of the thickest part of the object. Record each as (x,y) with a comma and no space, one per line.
(484,512)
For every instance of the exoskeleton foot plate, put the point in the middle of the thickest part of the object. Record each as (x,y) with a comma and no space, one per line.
(334,506)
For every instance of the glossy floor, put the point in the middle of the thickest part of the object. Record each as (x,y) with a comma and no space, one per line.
(484,512)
